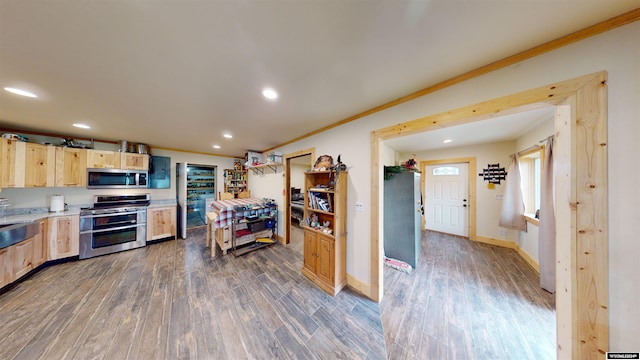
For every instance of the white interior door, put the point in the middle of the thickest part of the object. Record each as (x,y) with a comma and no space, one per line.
(447,198)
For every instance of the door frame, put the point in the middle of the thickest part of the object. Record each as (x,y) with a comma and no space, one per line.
(287,186)
(582,319)
(471,183)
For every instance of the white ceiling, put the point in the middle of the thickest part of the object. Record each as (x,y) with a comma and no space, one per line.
(177,74)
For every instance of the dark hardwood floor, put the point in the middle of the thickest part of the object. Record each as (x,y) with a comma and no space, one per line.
(172,301)
(467,300)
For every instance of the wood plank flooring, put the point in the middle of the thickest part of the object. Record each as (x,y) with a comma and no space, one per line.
(172,301)
(467,300)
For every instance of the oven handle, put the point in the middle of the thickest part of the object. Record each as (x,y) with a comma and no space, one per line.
(110,214)
(128,222)
(114,228)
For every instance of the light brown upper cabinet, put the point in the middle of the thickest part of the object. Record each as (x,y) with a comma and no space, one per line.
(103,159)
(12,160)
(133,161)
(71,167)
(39,166)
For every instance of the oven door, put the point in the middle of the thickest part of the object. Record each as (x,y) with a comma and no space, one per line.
(105,234)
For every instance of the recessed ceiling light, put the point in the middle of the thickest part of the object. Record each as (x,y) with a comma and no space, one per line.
(447,141)
(20,92)
(228,136)
(216,146)
(269,93)
(82,126)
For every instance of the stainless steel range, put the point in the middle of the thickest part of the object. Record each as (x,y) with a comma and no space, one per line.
(114,223)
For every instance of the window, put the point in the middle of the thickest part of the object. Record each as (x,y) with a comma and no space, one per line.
(531,162)
(446,170)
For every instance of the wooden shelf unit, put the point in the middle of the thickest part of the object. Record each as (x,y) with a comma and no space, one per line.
(235,181)
(325,246)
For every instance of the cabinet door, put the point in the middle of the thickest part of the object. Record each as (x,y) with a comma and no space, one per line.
(22,258)
(13,160)
(71,167)
(64,236)
(310,251)
(5,266)
(325,259)
(39,165)
(40,245)
(161,223)
(131,161)
(103,159)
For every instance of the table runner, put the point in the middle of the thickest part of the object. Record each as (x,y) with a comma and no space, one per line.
(225,210)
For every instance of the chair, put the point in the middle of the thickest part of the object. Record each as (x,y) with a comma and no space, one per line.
(244,194)
(226,196)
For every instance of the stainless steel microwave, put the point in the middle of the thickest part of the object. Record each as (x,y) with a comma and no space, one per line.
(117,179)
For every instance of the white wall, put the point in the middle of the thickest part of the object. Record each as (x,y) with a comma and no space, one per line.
(617,52)
(389,156)
(297,175)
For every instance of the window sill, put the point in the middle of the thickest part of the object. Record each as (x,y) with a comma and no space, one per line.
(531,219)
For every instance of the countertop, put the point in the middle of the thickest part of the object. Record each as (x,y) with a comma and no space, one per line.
(22,216)
(35,216)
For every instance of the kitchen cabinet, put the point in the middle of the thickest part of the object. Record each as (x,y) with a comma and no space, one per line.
(71,167)
(103,159)
(27,254)
(63,233)
(27,164)
(12,163)
(40,245)
(235,181)
(161,223)
(319,258)
(19,259)
(5,266)
(39,166)
(325,229)
(22,258)
(133,161)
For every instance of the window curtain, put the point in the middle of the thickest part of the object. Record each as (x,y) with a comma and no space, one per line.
(512,212)
(547,231)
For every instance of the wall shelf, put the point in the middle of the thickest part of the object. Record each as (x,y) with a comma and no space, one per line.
(260,168)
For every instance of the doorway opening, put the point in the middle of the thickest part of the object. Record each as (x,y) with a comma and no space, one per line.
(296,164)
(581,201)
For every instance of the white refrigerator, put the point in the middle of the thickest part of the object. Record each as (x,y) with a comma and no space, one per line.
(195,183)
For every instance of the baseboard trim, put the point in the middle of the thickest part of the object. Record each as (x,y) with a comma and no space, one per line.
(511,245)
(491,241)
(358,285)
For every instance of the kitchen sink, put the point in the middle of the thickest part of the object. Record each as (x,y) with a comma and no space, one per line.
(14,233)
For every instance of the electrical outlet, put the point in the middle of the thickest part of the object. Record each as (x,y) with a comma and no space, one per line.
(503,232)
(359,207)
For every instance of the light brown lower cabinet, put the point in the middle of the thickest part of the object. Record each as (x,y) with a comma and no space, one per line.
(41,245)
(22,258)
(323,261)
(5,266)
(19,259)
(161,223)
(64,236)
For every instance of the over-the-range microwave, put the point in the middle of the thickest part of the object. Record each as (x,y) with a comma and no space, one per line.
(98,178)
